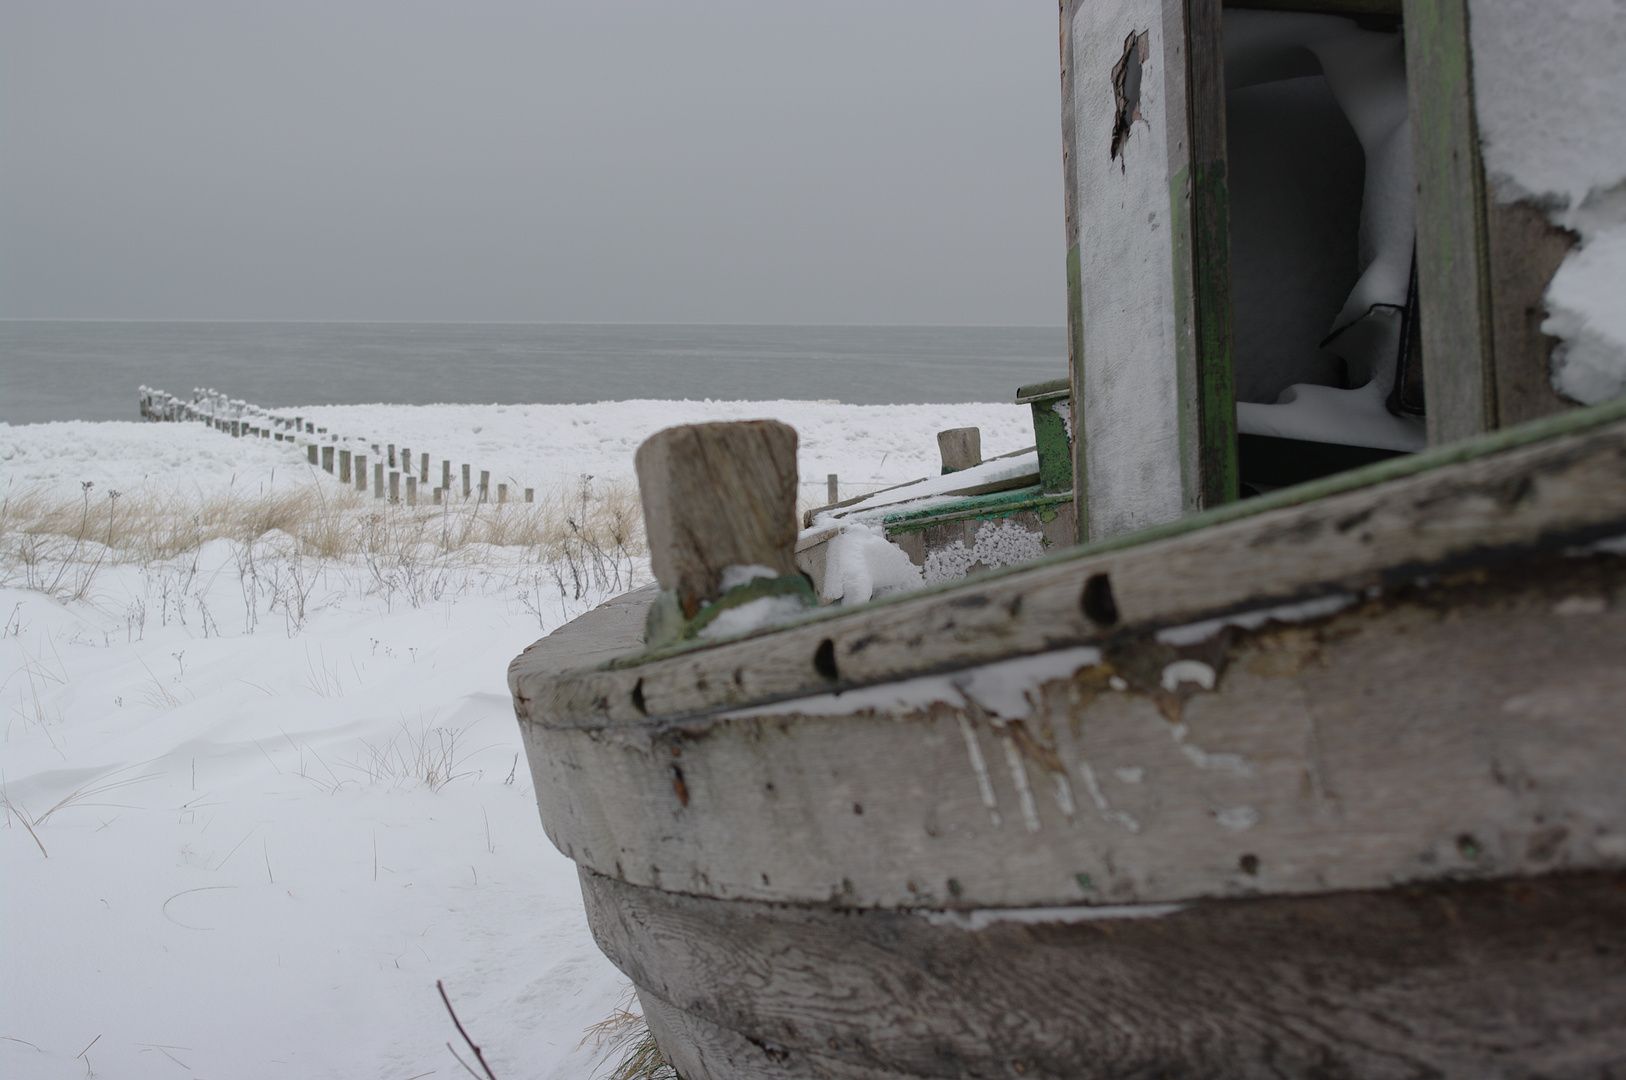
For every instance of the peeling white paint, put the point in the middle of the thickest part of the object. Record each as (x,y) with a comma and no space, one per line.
(1222,762)
(998,543)
(1304,611)
(979,766)
(1019,777)
(1118,817)
(1130,774)
(1237,818)
(1003,689)
(1188,671)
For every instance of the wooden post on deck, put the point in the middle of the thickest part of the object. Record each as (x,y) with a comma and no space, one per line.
(718,495)
(961,448)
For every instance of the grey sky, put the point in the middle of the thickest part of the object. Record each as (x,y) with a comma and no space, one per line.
(831,161)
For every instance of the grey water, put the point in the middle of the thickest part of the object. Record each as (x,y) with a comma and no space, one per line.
(89,370)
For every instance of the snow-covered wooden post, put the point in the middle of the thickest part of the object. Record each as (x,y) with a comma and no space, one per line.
(361,472)
(715,496)
(344,466)
(961,448)
(310,453)
(327,460)
(378,480)
(395,486)
(502,494)
(485,485)
(465,480)
(832,488)
(412,490)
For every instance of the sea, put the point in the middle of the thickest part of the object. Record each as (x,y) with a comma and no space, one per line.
(90,370)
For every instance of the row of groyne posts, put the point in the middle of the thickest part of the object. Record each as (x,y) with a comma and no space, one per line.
(323,449)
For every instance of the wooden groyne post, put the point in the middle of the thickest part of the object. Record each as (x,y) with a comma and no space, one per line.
(718,495)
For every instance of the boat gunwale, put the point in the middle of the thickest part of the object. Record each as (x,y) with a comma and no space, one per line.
(581,696)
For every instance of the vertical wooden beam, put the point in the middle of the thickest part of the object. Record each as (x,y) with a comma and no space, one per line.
(1453,278)
(1075,285)
(1212,421)
(717,495)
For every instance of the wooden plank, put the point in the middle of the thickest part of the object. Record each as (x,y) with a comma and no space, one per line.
(1527,497)
(717,495)
(1469,728)
(1452,260)
(1460,980)
(1213,424)
(1075,285)
(1525,250)
(1128,91)
(960,448)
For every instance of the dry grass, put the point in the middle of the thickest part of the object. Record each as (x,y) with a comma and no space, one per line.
(631,1044)
(55,544)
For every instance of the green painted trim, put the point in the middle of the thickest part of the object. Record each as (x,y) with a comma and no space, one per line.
(1075,364)
(1028,498)
(665,624)
(1496,442)
(1055,450)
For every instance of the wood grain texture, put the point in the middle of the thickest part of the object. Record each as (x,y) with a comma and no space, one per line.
(1481,980)
(1452,259)
(1468,728)
(1075,294)
(717,495)
(1530,497)
(1525,249)
(960,448)
(1212,379)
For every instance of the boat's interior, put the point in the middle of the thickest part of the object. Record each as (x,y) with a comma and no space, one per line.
(1326,373)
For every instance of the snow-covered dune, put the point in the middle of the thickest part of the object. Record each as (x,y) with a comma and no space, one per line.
(258,802)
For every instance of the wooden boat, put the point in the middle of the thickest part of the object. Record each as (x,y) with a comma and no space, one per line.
(978,515)
(1324,782)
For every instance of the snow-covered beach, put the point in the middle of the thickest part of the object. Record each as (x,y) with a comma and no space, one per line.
(259,801)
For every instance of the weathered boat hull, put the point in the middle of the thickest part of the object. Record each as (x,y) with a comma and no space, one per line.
(1327,789)
(1482,979)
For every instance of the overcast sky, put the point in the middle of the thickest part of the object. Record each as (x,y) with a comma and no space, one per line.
(829,161)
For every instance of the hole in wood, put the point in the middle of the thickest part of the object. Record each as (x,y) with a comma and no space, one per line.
(638,698)
(1099,606)
(1249,864)
(824,660)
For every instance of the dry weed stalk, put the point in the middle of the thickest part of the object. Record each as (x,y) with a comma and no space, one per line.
(589,535)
